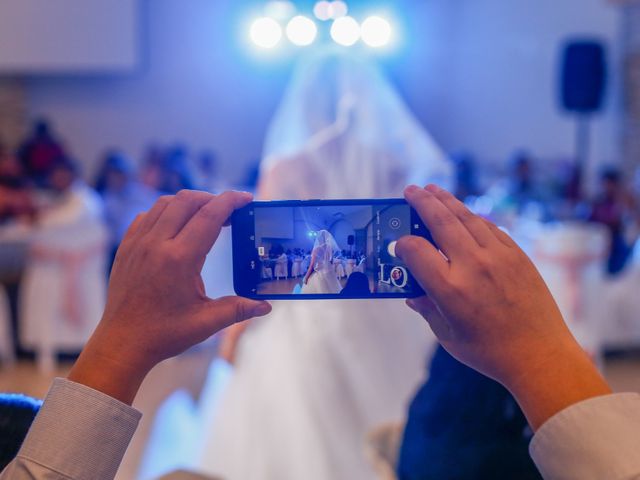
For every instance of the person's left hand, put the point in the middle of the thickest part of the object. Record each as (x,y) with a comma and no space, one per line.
(157,307)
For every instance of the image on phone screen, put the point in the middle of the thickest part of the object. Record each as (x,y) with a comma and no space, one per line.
(323,249)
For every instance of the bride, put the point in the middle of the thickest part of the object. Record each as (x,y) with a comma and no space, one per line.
(309,382)
(321,276)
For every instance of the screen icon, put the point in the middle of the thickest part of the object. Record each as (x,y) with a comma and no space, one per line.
(395,223)
(261,251)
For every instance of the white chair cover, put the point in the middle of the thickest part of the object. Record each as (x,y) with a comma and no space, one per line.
(570,257)
(63,292)
(281,267)
(340,271)
(296,268)
(6,344)
(267,272)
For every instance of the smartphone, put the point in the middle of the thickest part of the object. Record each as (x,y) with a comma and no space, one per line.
(323,249)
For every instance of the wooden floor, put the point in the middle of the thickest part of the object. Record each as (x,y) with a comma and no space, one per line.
(188,372)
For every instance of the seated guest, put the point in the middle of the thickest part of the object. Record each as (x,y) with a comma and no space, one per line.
(612,208)
(357,285)
(176,171)
(124,197)
(71,199)
(16,201)
(16,416)
(464,425)
(465,176)
(40,152)
(151,172)
(209,173)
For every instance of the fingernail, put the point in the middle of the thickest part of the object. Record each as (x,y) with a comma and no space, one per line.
(261,309)
(434,188)
(412,189)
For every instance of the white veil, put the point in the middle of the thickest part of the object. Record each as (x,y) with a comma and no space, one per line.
(342,131)
(325,247)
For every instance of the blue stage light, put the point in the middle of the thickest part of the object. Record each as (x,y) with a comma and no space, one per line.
(266,32)
(301,31)
(376,32)
(345,31)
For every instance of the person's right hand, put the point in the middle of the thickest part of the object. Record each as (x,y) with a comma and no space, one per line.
(490,308)
(157,306)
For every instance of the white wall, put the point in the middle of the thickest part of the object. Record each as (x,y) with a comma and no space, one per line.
(196,86)
(504,73)
(68,35)
(480,74)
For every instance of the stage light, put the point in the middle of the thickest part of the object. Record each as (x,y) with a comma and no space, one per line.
(323,10)
(339,9)
(345,31)
(266,32)
(376,32)
(301,31)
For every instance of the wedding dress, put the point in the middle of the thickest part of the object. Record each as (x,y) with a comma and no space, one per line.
(314,377)
(323,278)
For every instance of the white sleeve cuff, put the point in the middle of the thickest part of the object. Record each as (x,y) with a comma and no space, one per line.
(80,432)
(595,439)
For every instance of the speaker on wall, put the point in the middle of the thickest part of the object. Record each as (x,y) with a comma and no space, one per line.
(584,73)
(351,240)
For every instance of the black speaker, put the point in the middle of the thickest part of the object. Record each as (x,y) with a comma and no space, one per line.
(351,240)
(584,73)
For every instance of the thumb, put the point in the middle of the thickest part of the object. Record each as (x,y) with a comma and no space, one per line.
(226,311)
(425,262)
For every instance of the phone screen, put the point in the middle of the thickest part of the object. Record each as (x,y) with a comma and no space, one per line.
(323,249)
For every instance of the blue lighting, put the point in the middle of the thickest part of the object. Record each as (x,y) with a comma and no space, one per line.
(333,23)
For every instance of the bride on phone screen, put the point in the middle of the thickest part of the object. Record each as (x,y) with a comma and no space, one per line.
(321,277)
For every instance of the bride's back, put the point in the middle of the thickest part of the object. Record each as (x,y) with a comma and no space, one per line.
(319,375)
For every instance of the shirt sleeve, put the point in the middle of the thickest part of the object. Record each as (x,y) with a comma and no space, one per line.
(591,440)
(78,434)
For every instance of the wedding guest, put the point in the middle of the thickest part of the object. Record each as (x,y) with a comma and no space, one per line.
(612,208)
(151,173)
(176,171)
(71,200)
(124,197)
(459,410)
(209,173)
(16,200)
(357,285)
(16,416)
(40,152)
(466,181)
